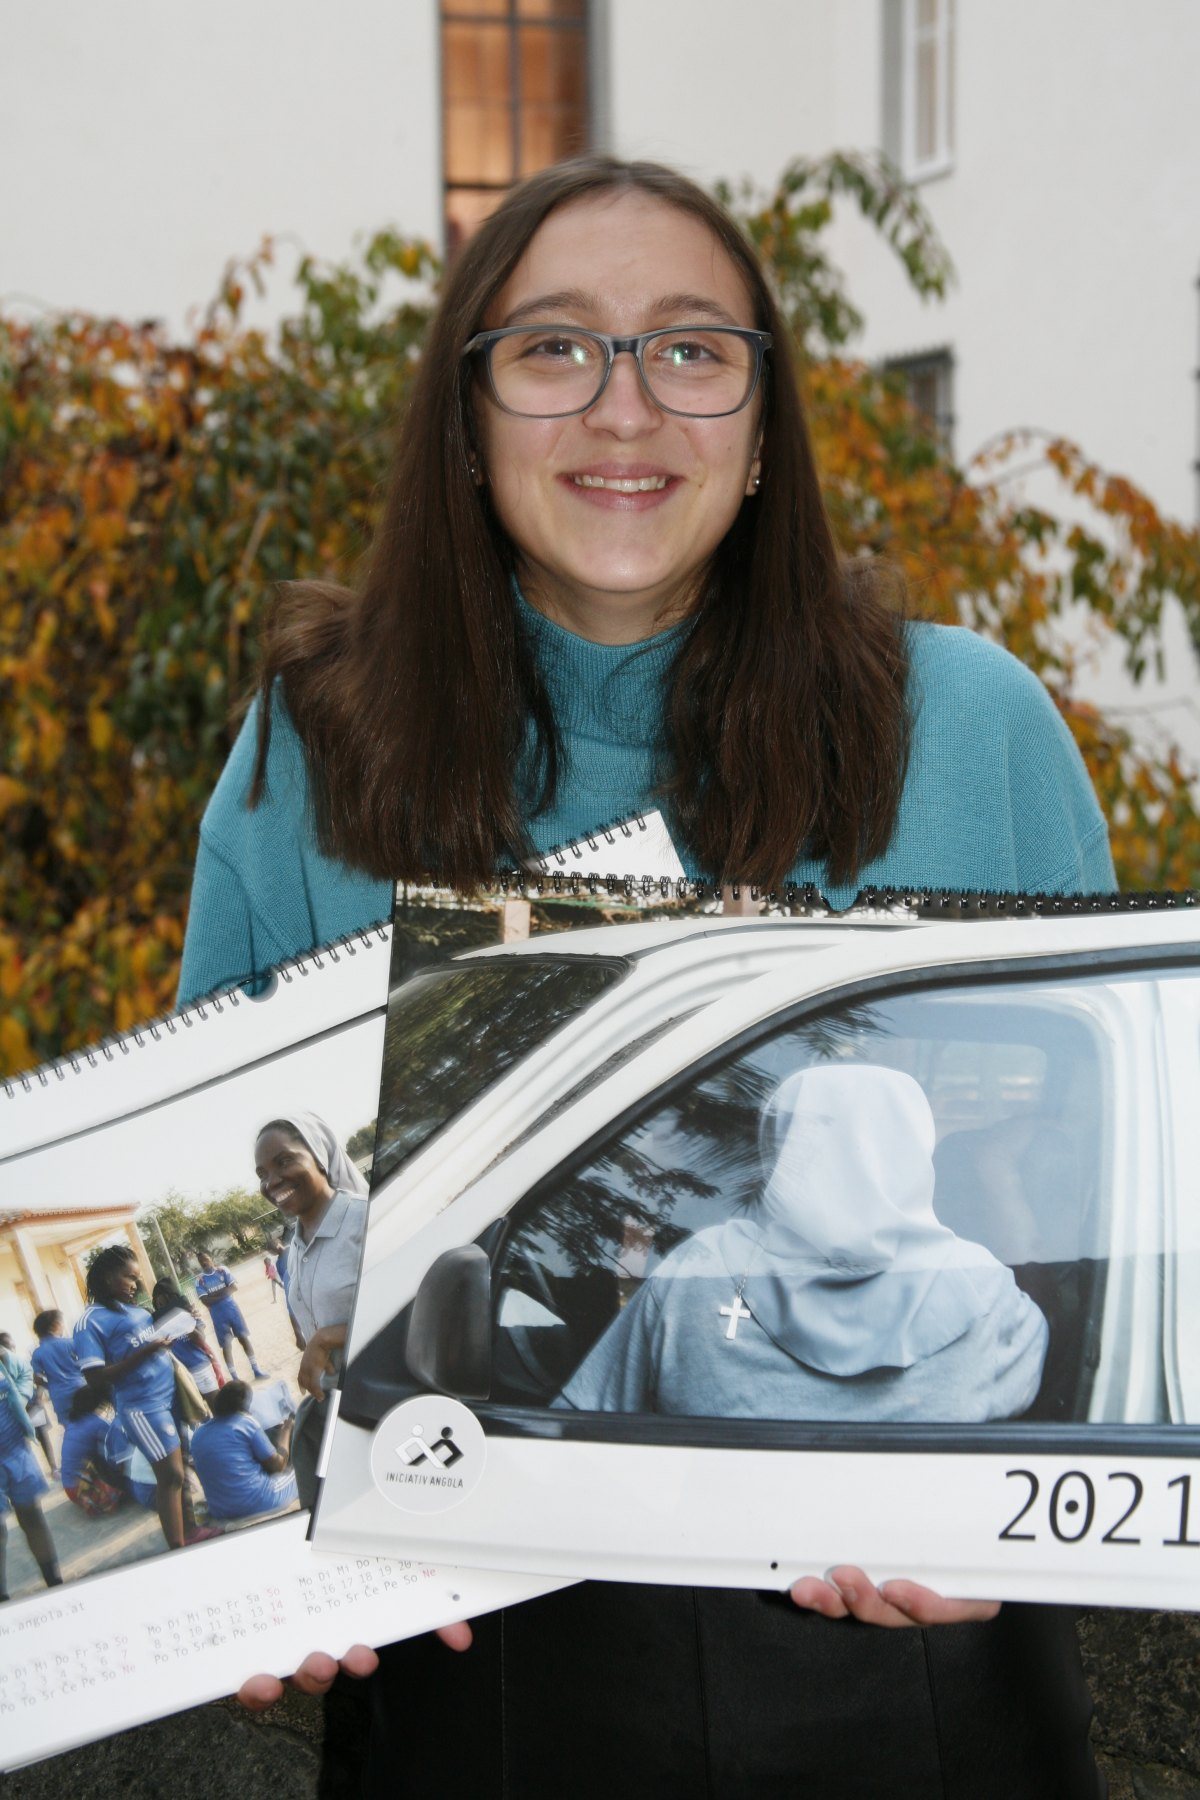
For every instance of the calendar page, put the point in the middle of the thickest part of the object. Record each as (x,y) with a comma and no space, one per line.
(722,1245)
(158,1454)
(94,1657)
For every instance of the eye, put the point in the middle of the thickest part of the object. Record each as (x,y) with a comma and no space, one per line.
(558,347)
(686,350)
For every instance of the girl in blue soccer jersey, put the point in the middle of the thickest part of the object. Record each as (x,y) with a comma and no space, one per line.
(215,1287)
(116,1347)
(22,1483)
(54,1363)
(193,1352)
(240,1470)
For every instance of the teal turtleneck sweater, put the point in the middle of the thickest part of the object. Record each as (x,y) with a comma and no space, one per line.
(997,798)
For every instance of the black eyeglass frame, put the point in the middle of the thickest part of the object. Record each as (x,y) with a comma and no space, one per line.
(760,341)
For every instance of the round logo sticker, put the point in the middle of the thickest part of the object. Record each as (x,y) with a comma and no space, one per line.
(427,1454)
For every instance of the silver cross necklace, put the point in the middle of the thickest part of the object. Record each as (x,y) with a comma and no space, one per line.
(737,1311)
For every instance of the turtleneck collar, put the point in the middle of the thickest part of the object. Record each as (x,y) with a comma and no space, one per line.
(611,693)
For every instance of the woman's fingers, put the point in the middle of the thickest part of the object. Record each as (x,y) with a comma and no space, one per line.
(360,1660)
(846,1592)
(259,1692)
(820,1597)
(316,1675)
(924,1607)
(457,1637)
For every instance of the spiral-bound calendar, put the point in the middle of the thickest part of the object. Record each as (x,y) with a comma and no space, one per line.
(125,1146)
(712,1245)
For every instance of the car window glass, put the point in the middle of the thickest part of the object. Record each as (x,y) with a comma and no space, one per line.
(454,1031)
(634,1278)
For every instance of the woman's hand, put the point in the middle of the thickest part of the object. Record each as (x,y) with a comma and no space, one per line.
(315,1675)
(846,1593)
(317,1672)
(318,1358)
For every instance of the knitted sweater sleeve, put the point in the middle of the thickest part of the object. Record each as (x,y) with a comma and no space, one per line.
(227,939)
(263,891)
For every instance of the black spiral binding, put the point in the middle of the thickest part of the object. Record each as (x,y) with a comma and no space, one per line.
(807,900)
(185,1019)
(558,853)
(798,900)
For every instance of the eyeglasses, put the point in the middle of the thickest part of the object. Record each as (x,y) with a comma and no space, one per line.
(556,371)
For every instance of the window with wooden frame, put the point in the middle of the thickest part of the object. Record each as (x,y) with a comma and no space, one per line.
(515,98)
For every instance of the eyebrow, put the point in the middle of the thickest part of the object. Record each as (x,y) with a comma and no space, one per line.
(683,307)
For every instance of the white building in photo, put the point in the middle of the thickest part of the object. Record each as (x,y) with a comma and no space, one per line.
(1055,143)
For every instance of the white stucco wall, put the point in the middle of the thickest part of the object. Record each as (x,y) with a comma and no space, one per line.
(144,142)
(722,87)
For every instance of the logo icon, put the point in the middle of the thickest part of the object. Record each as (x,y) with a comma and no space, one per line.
(427,1454)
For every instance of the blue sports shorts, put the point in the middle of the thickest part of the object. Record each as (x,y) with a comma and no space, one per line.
(152,1429)
(21,1481)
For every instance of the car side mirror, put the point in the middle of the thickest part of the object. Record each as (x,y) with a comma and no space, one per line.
(449,1344)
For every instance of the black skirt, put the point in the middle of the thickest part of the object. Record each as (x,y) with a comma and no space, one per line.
(625,1692)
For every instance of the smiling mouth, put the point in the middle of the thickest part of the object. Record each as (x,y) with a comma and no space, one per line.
(282,1195)
(641,484)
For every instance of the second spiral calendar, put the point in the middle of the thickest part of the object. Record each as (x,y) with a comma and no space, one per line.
(181,1209)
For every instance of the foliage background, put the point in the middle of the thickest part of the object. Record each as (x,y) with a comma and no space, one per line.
(151,492)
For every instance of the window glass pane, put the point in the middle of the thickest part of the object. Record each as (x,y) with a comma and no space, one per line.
(926,100)
(477,87)
(553,113)
(475,63)
(478,145)
(452,1032)
(947,1206)
(948,121)
(552,9)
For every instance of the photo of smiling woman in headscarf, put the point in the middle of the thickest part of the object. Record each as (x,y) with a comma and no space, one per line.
(305,1172)
(837,1295)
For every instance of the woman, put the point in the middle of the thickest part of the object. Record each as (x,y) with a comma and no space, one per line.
(22,1483)
(119,1351)
(605,580)
(240,1469)
(304,1171)
(194,1351)
(92,1476)
(844,1295)
(216,1286)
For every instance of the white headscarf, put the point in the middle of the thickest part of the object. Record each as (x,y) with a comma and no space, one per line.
(846,1265)
(328,1153)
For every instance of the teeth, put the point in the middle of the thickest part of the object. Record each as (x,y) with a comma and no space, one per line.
(644,484)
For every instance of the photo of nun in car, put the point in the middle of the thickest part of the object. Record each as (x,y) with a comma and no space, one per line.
(836,1293)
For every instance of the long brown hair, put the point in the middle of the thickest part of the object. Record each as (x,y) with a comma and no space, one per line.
(786,731)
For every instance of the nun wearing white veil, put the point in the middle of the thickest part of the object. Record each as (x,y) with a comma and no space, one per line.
(304,1171)
(837,1295)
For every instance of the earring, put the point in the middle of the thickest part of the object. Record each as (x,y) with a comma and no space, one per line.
(757,480)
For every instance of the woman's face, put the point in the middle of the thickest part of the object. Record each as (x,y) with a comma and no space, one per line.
(120,1286)
(609,565)
(289,1175)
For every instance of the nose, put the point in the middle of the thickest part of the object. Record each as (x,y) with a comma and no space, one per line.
(624,408)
